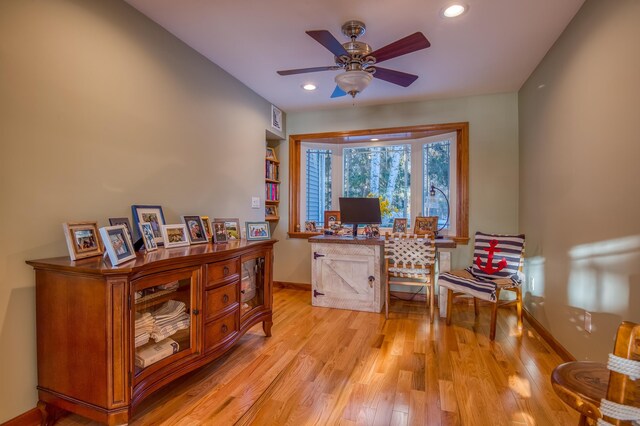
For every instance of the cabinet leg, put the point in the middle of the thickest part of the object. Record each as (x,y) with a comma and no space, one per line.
(50,414)
(266,326)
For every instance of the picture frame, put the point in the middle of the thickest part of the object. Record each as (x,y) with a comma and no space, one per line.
(153,215)
(276,118)
(147,236)
(219,233)
(175,235)
(271,154)
(206,222)
(425,224)
(258,231)
(195,229)
(231,226)
(117,244)
(399,225)
(270,211)
(113,221)
(310,226)
(331,217)
(83,239)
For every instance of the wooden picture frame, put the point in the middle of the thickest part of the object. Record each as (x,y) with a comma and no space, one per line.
(83,239)
(258,231)
(147,236)
(271,154)
(220,233)
(151,214)
(425,224)
(399,225)
(231,226)
(206,222)
(331,217)
(270,211)
(195,229)
(118,244)
(175,235)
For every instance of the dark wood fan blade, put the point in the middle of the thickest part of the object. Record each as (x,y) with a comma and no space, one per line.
(416,41)
(337,92)
(396,77)
(304,70)
(326,39)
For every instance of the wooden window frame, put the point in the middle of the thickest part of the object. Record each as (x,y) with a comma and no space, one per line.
(386,134)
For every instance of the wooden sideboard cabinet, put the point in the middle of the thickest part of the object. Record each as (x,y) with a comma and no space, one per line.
(108,336)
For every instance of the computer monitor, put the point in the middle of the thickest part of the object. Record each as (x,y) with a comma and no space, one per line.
(359,211)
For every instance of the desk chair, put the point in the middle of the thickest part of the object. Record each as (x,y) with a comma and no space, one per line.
(605,393)
(497,267)
(410,260)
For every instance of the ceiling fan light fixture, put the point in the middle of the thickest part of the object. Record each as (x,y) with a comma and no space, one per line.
(309,87)
(454,10)
(353,82)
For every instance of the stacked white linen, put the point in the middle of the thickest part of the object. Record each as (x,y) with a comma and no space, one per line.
(143,328)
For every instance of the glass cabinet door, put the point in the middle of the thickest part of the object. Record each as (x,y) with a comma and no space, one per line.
(164,314)
(252,284)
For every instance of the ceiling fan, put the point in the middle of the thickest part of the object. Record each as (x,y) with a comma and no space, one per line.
(358,60)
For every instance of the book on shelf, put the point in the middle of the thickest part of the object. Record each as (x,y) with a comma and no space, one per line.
(154,352)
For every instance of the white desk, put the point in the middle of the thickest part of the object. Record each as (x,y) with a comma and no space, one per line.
(347,273)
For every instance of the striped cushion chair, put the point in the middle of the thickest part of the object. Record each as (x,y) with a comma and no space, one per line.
(497,266)
(410,261)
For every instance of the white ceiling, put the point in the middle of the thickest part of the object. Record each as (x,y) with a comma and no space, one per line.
(492,48)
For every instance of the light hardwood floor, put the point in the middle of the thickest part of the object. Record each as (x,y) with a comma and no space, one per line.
(336,367)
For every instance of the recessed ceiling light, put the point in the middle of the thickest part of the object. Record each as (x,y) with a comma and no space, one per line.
(454,10)
(309,86)
(375,140)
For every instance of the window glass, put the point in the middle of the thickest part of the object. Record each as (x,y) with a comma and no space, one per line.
(436,166)
(380,171)
(318,184)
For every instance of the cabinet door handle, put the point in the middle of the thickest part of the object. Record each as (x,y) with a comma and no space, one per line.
(224,328)
(225,298)
(225,271)
(195,312)
(317,255)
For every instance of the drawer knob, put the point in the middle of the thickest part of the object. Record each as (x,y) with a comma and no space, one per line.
(225,271)
(225,298)
(224,328)
(195,312)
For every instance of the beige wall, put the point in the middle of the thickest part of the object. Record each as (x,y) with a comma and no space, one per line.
(580,179)
(100,109)
(493,166)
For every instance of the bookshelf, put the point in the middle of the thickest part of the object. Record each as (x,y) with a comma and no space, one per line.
(271,186)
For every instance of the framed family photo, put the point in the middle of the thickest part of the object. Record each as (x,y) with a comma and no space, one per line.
(152,215)
(219,233)
(270,211)
(175,235)
(425,224)
(399,225)
(231,226)
(310,226)
(258,231)
(331,217)
(118,244)
(271,154)
(195,229)
(82,239)
(113,221)
(147,236)
(207,226)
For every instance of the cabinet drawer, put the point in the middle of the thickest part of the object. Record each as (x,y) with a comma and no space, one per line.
(222,271)
(220,298)
(219,330)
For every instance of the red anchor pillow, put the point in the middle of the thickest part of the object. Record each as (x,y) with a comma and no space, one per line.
(497,256)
